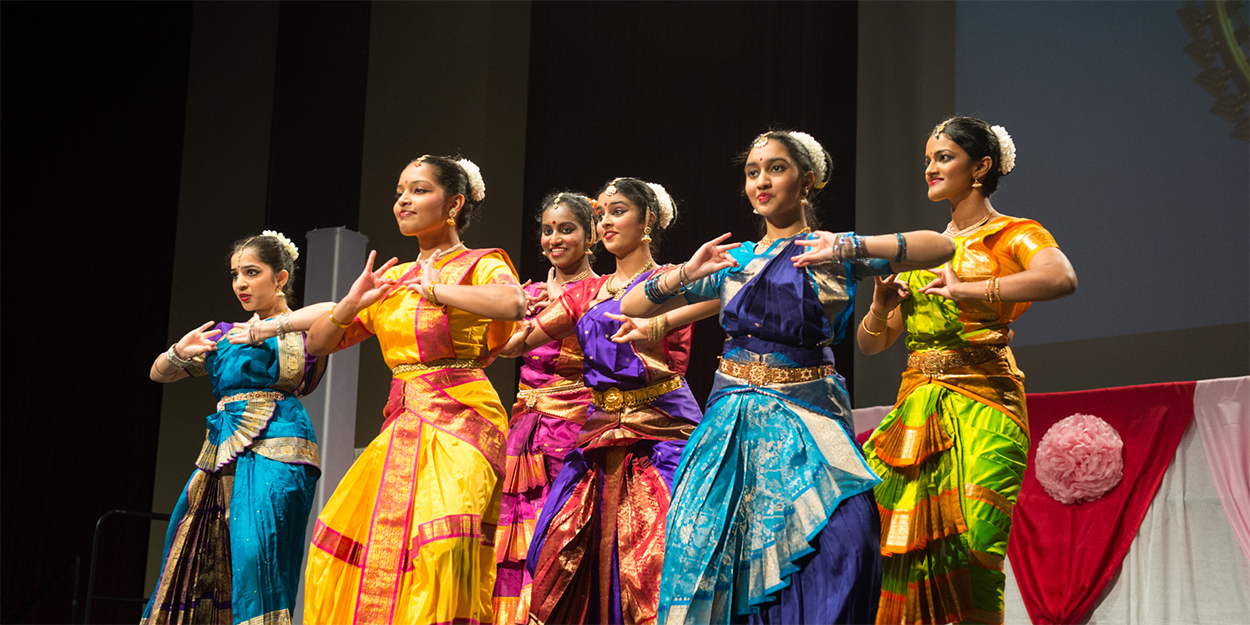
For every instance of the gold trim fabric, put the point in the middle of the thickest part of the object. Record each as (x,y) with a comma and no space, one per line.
(441,363)
(288,449)
(613,399)
(760,374)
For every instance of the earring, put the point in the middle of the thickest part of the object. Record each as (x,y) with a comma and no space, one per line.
(976,184)
(281,294)
(646,235)
(451,218)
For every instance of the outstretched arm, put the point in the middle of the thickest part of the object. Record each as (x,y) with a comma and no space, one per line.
(641,329)
(919,249)
(492,301)
(172,367)
(257,330)
(707,260)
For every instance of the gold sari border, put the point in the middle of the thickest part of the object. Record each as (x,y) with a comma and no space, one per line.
(935,362)
(274,396)
(288,449)
(277,617)
(341,547)
(992,497)
(441,363)
(448,527)
(466,423)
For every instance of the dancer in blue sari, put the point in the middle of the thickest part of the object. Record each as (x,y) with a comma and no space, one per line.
(773,519)
(237,534)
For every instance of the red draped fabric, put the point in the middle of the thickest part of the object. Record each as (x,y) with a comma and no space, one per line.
(1064,555)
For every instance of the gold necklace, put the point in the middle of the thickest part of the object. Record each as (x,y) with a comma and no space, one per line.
(767,241)
(618,293)
(950,228)
(576,277)
(459,245)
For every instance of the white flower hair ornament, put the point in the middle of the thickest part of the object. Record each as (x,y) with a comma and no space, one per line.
(1007,150)
(477,186)
(286,243)
(817,154)
(666,209)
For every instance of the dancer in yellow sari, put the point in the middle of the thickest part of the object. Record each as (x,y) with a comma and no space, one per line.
(408,536)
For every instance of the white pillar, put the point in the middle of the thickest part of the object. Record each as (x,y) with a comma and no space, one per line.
(335,257)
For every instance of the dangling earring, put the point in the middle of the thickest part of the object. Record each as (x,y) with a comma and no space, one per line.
(976,184)
(451,218)
(646,235)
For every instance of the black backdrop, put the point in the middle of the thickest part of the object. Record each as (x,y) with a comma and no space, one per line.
(94,106)
(676,91)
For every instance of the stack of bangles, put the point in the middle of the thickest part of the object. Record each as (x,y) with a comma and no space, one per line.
(854,242)
(886,319)
(992,294)
(658,328)
(655,291)
(282,326)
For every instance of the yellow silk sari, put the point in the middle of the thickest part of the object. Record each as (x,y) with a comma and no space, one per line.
(408,536)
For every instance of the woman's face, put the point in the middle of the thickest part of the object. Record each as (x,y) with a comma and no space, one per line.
(621,224)
(563,238)
(948,170)
(254,282)
(421,203)
(774,182)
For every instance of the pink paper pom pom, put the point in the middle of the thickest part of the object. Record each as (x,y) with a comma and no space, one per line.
(1079,459)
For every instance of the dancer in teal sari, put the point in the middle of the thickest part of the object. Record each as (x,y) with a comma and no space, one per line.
(237,534)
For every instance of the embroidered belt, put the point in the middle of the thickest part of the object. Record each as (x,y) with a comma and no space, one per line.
(528,393)
(441,363)
(760,374)
(248,396)
(938,361)
(614,398)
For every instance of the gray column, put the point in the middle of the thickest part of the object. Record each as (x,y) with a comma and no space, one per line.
(335,258)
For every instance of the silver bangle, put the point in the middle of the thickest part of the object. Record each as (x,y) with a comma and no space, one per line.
(174,359)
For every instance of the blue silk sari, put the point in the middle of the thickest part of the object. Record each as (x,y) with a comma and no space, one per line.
(772,517)
(237,534)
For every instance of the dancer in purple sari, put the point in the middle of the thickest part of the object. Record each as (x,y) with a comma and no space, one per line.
(773,519)
(598,547)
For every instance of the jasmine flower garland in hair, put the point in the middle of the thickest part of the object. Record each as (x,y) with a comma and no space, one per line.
(477,186)
(665,210)
(817,154)
(286,243)
(1006,149)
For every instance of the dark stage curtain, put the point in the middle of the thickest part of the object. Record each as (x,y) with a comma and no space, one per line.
(671,93)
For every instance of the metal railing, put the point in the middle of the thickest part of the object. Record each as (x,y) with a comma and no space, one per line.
(95,546)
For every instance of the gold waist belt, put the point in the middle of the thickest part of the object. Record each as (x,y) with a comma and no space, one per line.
(614,398)
(938,361)
(441,363)
(760,374)
(248,396)
(527,393)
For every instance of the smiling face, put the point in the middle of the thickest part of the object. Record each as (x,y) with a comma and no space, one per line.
(774,182)
(421,203)
(621,224)
(255,283)
(563,238)
(948,170)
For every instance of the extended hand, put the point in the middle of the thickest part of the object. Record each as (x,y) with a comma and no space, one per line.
(516,343)
(944,284)
(710,258)
(821,248)
(197,342)
(632,329)
(239,333)
(371,286)
(889,292)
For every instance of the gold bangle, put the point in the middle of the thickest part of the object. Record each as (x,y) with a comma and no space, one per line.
(998,294)
(429,294)
(886,318)
(336,322)
(864,324)
(658,328)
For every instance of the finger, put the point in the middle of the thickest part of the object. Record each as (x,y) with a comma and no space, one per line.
(551,275)
(369,263)
(211,333)
(205,326)
(807,242)
(527,283)
(616,317)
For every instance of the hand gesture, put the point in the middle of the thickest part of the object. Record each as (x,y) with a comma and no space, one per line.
(239,333)
(516,343)
(554,289)
(371,286)
(197,342)
(632,329)
(822,248)
(944,284)
(889,292)
(710,258)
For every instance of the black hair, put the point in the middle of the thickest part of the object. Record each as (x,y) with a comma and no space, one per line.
(644,197)
(454,180)
(805,164)
(274,254)
(975,137)
(582,209)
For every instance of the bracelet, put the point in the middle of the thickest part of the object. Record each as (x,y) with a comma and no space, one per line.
(284,324)
(681,278)
(251,332)
(658,328)
(886,318)
(991,291)
(864,324)
(336,322)
(174,359)
(902,248)
(998,295)
(429,295)
(857,247)
(651,288)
